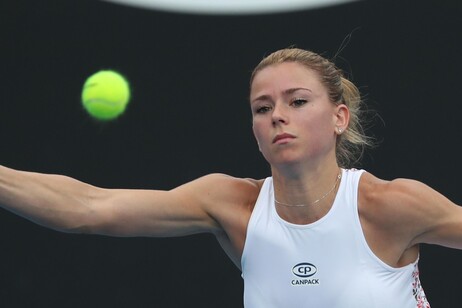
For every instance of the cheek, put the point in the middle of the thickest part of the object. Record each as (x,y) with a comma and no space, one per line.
(261,138)
(321,122)
(256,130)
(259,134)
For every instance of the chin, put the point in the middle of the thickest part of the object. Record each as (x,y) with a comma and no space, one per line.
(286,160)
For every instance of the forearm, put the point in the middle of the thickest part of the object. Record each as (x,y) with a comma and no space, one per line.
(54,201)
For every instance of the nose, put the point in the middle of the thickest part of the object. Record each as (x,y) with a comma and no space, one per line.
(279,115)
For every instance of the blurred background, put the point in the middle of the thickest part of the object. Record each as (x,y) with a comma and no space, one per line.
(189,116)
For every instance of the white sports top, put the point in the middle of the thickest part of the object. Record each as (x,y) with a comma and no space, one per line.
(325,264)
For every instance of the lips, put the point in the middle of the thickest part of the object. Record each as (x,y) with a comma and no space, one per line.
(283,138)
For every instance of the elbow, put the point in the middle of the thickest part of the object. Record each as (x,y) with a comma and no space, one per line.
(82,222)
(90,217)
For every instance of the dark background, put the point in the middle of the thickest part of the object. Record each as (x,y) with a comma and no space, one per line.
(189,116)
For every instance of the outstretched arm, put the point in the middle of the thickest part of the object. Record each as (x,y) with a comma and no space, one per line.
(68,205)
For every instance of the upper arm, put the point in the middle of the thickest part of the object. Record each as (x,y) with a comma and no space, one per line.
(191,208)
(442,219)
(417,213)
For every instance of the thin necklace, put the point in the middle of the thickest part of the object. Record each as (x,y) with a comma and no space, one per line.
(339,176)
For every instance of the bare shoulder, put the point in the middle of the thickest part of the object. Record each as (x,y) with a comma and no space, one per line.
(382,193)
(224,187)
(408,208)
(391,201)
(221,194)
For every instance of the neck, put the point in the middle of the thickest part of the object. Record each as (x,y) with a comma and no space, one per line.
(337,179)
(318,186)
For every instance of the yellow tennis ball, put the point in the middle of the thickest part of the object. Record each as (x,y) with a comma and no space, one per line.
(105,95)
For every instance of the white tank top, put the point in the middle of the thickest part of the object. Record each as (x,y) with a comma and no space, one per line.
(325,264)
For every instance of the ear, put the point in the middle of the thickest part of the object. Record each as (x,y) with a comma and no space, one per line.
(341,118)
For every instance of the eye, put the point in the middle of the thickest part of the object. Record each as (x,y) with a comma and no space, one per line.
(298,102)
(262,109)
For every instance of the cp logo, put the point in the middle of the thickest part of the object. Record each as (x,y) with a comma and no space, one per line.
(304,270)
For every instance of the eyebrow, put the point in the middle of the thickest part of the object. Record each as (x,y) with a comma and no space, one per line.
(286,92)
(292,90)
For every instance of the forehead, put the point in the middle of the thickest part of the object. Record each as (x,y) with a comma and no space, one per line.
(282,76)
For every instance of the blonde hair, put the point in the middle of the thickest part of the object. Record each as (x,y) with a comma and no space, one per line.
(352,143)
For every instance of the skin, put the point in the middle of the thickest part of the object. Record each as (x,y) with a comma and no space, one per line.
(396,216)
